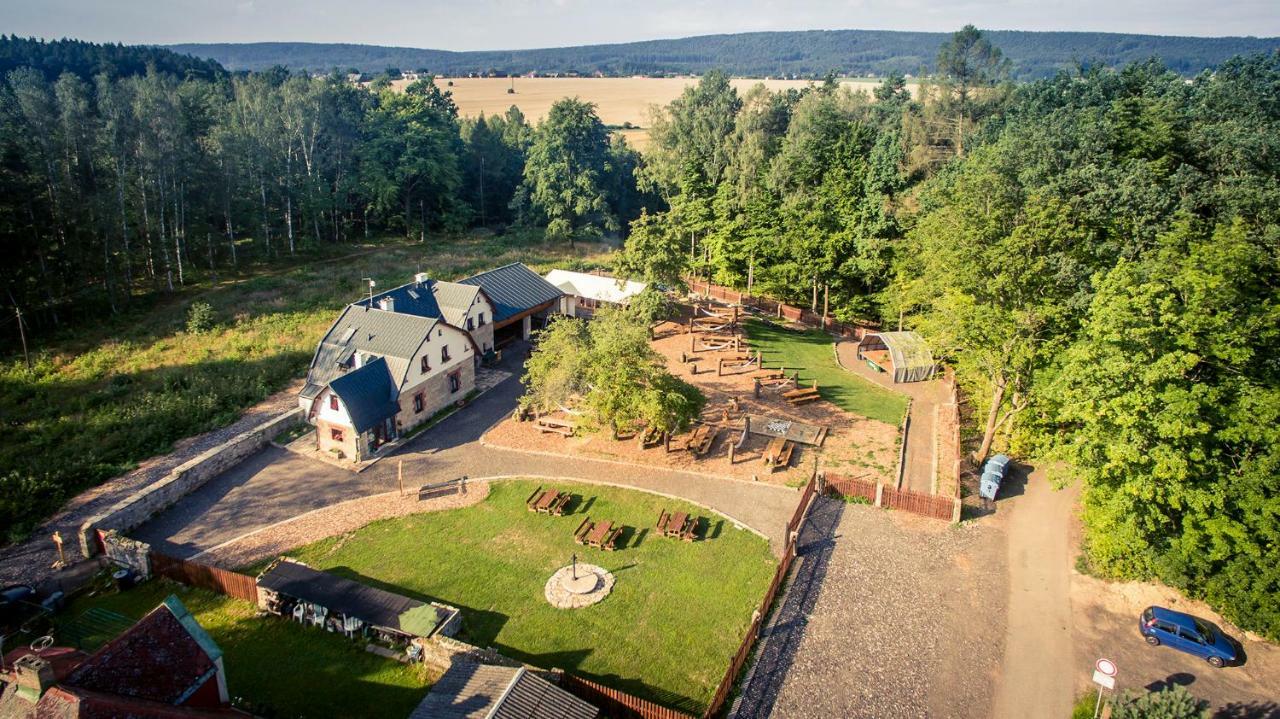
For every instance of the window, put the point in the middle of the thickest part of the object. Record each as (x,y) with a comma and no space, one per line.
(417,402)
(482,319)
(333,402)
(469,325)
(335,435)
(426,366)
(444,353)
(455,382)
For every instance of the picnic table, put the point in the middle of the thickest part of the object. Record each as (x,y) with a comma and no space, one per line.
(680,525)
(774,449)
(551,501)
(603,535)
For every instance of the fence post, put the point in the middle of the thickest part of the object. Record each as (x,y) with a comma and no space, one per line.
(879,494)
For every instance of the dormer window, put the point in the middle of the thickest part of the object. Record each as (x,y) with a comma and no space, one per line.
(426,365)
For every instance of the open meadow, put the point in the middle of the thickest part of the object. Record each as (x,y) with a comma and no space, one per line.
(618,100)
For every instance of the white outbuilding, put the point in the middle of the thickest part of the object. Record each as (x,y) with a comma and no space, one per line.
(588,292)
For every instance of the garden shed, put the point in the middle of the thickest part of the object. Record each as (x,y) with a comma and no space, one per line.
(904,354)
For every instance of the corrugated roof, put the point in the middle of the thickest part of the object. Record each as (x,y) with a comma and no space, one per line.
(371,605)
(481,691)
(454,300)
(368,393)
(513,289)
(602,289)
(912,360)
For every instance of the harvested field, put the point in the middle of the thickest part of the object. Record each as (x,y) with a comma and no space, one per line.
(859,446)
(618,99)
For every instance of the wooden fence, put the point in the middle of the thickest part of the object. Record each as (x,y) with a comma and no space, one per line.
(780,309)
(758,617)
(936,506)
(195,574)
(851,487)
(617,704)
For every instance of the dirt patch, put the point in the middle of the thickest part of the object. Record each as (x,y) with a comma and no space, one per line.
(337,519)
(855,445)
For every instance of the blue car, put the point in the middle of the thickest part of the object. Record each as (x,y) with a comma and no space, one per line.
(1186,634)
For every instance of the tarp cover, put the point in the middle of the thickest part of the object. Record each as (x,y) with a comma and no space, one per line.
(912,360)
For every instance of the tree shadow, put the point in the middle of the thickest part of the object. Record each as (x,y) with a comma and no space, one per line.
(1179,679)
(783,632)
(580,505)
(1249,710)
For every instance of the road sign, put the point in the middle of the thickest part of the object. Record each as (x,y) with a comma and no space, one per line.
(1104,680)
(1105,666)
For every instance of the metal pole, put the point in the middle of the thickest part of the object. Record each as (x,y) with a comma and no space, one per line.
(1098,704)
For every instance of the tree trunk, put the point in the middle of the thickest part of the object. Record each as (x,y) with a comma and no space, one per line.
(989,432)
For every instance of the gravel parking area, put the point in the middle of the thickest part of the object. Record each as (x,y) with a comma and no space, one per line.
(885,615)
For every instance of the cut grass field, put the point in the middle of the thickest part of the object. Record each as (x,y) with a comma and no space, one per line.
(812,352)
(104,397)
(667,631)
(277,668)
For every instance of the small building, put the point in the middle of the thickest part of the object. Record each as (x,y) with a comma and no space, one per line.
(481,691)
(588,292)
(522,300)
(904,354)
(293,590)
(163,667)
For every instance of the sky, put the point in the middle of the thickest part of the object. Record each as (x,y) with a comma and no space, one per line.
(517,24)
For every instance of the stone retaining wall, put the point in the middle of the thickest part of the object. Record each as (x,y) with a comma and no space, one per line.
(440,652)
(140,506)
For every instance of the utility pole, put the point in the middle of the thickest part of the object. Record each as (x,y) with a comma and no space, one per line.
(23,334)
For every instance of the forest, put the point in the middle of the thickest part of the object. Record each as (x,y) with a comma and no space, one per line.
(1095,253)
(807,54)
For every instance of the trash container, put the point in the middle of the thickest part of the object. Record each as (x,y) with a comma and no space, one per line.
(124,578)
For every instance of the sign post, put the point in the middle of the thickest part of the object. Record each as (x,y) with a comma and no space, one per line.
(1104,675)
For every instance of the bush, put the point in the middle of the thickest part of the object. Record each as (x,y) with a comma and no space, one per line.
(199,318)
(1171,703)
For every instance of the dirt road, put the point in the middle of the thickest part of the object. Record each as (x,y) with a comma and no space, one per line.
(1039,660)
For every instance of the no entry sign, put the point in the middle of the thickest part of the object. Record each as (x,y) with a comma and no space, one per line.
(1104,673)
(1106,666)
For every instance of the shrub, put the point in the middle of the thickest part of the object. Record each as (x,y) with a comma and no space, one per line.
(1171,703)
(199,318)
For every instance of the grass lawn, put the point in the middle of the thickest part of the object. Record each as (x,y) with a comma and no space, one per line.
(812,351)
(667,632)
(277,668)
(106,396)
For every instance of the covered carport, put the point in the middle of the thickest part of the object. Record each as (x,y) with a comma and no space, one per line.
(905,355)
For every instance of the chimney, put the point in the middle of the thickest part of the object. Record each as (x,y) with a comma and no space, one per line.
(387,303)
(421,278)
(33,677)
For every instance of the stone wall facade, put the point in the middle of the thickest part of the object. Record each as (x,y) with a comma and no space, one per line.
(186,478)
(435,394)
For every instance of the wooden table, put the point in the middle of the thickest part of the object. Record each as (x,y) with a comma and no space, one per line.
(546,500)
(597,534)
(774,449)
(675,524)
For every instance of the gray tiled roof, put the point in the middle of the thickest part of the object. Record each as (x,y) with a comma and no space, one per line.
(368,393)
(477,691)
(454,300)
(393,335)
(513,289)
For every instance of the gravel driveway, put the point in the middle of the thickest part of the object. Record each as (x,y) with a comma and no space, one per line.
(885,615)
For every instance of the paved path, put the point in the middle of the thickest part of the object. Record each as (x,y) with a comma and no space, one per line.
(1039,632)
(275,485)
(925,398)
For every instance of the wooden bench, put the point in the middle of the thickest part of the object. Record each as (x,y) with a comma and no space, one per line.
(556,426)
(580,534)
(650,437)
(690,530)
(783,458)
(705,442)
(802,395)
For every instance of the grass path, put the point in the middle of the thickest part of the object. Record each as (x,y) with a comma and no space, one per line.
(812,351)
(666,633)
(275,667)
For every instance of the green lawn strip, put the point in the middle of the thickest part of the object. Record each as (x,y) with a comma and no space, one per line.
(276,667)
(666,633)
(812,353)
(103,398)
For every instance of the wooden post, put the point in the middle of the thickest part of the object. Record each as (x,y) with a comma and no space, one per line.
(693,368)
(755,391)
(692,342)
(751,271)
(826,296)
(779,310)
(720,367)
(731,446)
(400,475)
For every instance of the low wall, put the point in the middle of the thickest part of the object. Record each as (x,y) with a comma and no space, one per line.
(440,652)
(183,480)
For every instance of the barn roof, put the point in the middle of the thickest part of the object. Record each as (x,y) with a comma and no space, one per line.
(371,605)
(480,691)
(513,289)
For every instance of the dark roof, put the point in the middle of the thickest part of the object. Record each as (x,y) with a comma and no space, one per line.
(344,596)
(393,335)
(480,691)
(161,658)
(368,393)
(513,289)
(414,298)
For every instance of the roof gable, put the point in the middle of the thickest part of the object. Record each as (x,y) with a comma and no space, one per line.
(368,393)
(513,289)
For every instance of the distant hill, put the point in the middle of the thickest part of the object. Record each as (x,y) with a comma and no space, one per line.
(758,54)
(87,59)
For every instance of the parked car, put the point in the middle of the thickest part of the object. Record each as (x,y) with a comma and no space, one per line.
(1186,633)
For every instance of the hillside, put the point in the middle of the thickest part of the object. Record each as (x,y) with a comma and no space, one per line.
(87,59)
(802,53)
